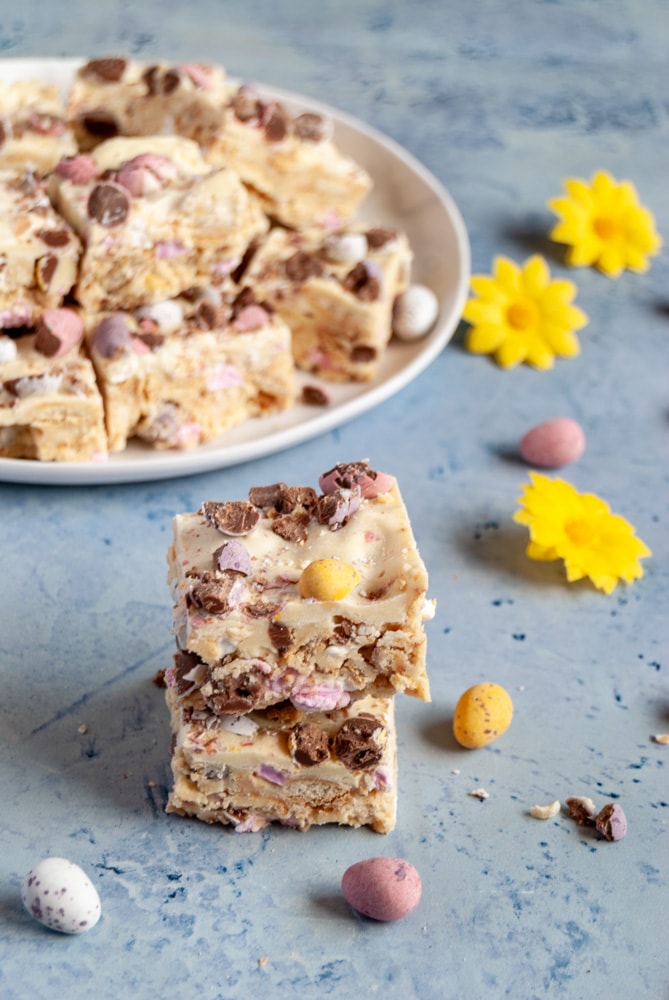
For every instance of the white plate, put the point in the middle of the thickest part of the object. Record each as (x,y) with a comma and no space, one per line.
(405,196)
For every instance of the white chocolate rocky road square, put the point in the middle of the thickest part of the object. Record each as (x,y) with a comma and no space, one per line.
(335,291)
(284,766)
(39,252)
(34,130)
(116,96)
(154,219)
(299,595)
(180,372)
(290,160)
(50,406)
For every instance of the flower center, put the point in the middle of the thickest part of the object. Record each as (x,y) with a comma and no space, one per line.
(522,315)
(579,532)
(606,227)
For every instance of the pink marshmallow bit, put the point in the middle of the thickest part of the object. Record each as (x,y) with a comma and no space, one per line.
(138,346)
(197,74)
(188,435)
(168,249)
(250,318)
(79,169)
(224,377)
(318,697)
(20,314)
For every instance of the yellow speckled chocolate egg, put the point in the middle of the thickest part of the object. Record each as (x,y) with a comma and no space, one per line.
(328,580)
(482,714)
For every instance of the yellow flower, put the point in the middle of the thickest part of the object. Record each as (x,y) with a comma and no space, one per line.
(521,315)
(580,529)
(604,225)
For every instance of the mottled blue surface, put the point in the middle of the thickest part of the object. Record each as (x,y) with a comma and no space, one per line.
(500,101)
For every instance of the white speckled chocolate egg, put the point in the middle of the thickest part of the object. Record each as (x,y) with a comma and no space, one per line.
(382,888)
(414,312)
(59,895)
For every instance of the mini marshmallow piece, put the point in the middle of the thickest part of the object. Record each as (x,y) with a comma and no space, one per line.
(553,443)
(8,350)
(111,335)
(414,312)
(382,888)
(168,315)
(58,332)
(346,248)
(252,317)
(59,895)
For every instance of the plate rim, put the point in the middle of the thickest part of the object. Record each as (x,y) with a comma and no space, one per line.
(211,456)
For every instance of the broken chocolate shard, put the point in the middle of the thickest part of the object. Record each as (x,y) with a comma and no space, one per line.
(360,742)
(233,517)
(308,744)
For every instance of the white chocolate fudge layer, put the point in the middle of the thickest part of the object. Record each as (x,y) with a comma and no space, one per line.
(290,160)
(50,406)
(253,628)
(282,766)
(34,131)
(38,250)
(336,293)
(115,96)
(154,219)
(181,372)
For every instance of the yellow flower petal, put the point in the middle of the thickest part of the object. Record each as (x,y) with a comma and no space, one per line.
(580,529)
(519,314)
(603,225)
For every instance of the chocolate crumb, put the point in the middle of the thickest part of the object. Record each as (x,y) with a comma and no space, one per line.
(159,679)
(184,663)
(54,237)
(308,744)
(109,70)
(378,237)
(100,123)
(109,204)
(302,265)
(361,283)
(310,127)
(45,268)
(313,395)
(292,527)
(267,497)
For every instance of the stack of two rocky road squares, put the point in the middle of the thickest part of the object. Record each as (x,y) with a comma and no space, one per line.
(298,616)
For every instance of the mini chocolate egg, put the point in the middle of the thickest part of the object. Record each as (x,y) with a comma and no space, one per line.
(414,312)
(553,443)
(59,895)
(482,714)
(328,580)
(382,888)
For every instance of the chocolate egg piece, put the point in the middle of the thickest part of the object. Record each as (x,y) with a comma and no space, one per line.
(482,714)
(382,888)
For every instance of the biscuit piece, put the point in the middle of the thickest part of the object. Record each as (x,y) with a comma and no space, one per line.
(50,406)
(290,160)
(247,638)
(34,130)
(38,250)
(154,219)
(251,770)
(116,96)
(181,372)
(339,310)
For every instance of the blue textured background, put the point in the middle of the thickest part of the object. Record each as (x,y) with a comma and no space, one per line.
(501,101)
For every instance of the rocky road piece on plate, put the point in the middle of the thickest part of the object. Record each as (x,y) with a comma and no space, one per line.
(50,406)
(287,766)
(39,252)
(34,130)
(298,595)
(116,96)
(336,292)
(289,157)
(154,219)
(180,372)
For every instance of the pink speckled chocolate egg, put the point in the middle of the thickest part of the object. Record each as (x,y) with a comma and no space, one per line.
(382,888)
(553,443)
